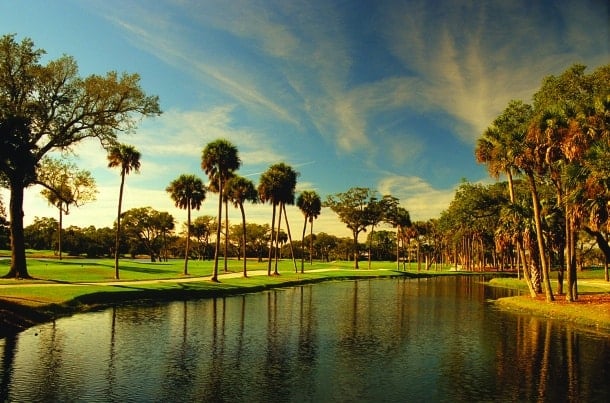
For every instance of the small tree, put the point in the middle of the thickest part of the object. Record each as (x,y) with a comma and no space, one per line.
(65,185)
(351,207)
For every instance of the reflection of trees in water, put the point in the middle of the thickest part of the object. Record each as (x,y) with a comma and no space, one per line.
(8,358)
(307,349)
(277,369)
(551,363)
(344,342)
(50,358)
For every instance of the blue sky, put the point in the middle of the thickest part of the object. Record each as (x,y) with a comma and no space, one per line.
(389,95)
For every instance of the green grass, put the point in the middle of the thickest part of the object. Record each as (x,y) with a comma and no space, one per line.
(589,281)
(63,282)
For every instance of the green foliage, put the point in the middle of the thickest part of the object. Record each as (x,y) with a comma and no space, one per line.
(145,228)
(45,108)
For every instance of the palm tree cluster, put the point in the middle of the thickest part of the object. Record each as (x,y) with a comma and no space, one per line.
(559,146)
(220,161)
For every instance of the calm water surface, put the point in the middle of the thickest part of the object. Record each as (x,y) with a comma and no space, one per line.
(368,340)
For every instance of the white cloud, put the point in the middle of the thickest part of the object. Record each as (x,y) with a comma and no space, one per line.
(416,195)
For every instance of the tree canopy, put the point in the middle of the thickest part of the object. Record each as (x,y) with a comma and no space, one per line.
(49,107)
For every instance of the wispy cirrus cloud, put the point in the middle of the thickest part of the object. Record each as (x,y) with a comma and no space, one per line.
(471,70)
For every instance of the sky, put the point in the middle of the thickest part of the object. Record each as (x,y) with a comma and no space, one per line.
(389,95)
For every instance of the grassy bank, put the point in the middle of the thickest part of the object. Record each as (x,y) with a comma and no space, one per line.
(70,286)
(592,309)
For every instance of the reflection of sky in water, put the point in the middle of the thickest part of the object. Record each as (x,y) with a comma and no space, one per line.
(341,341)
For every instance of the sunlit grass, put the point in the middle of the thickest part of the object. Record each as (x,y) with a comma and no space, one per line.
(92,280)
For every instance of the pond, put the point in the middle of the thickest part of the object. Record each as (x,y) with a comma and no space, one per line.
(367,340)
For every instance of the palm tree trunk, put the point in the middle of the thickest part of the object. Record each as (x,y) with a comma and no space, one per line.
(572,294)
(217,246)
(520,248)
(271,239)
(311,241)
(355,234)
(226,254)
(371,244)
(59,225)
(277,239)
(397,248)
(188,237)
(243,223)
(303,246)
(294,262)
(118,227)
(548,291)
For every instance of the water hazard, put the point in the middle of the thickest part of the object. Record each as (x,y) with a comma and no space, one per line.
(367,340)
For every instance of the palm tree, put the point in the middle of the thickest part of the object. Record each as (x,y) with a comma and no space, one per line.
(399,218)
(59,198)
(239,190)
(501,148)
(188,192)
(219,160)
(277,185)
(128,159)
(310,204)
(266,192)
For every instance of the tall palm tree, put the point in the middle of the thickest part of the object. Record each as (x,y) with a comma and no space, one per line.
(219,160)
(399,218)
(310,204)
(266,192)
(501,148)
(238,190)
(188,192)
(277,186)
(127,158)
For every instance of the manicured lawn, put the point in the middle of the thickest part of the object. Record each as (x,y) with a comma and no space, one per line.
(74,281)
(592,308)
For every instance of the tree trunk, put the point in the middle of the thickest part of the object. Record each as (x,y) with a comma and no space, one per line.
(277,240)
(218,226)
(548,291)
(311,241)
(60,225)
(355,235)
(294,262)
(244,240)
(272,237)
(18,262)
(118,227)
(371,244)
(226,253)
(526,272)
(397,248)
(303,246)
(188,237)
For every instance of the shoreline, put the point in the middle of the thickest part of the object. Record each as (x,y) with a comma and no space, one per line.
(16,316)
